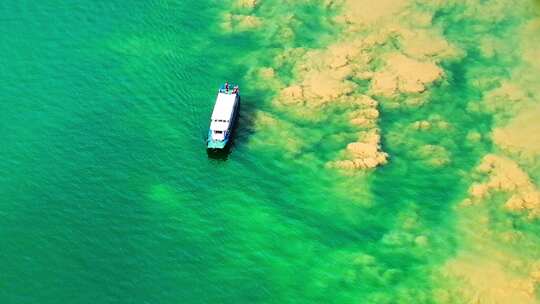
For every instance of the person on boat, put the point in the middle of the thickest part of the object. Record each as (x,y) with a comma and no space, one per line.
(235,90)
(226,86)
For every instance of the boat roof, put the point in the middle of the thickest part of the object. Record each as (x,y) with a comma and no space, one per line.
(218,126)
(224,107)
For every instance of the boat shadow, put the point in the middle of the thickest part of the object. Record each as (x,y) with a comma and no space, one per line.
(245,125)
(219,154)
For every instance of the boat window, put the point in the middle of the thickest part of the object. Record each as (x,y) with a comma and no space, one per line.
(218,132)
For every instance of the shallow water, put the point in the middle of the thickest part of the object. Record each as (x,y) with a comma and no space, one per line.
(108,195)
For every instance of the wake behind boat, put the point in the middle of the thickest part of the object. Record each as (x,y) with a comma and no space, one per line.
(223,118)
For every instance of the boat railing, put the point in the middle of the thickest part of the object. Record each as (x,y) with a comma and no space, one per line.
(232,89)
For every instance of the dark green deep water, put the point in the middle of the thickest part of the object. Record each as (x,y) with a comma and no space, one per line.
(108,196)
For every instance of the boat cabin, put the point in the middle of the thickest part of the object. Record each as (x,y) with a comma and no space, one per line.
(222,115)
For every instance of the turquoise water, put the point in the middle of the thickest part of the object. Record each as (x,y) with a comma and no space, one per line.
(104,114)
(108,195)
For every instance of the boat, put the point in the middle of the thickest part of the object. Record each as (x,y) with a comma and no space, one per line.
(223,117)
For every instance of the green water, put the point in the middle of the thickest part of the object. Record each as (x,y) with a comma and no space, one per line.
(108,196)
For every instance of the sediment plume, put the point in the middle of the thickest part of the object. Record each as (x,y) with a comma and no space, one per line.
(247,3)
(503,200)
(242,18)
(237,23)
(404,75)
(505,176)
(329,77)
(489,281)
(363,154)
(379,45)
(521,135)
(392,55)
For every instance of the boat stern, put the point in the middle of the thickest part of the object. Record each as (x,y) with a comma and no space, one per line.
(216,144)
